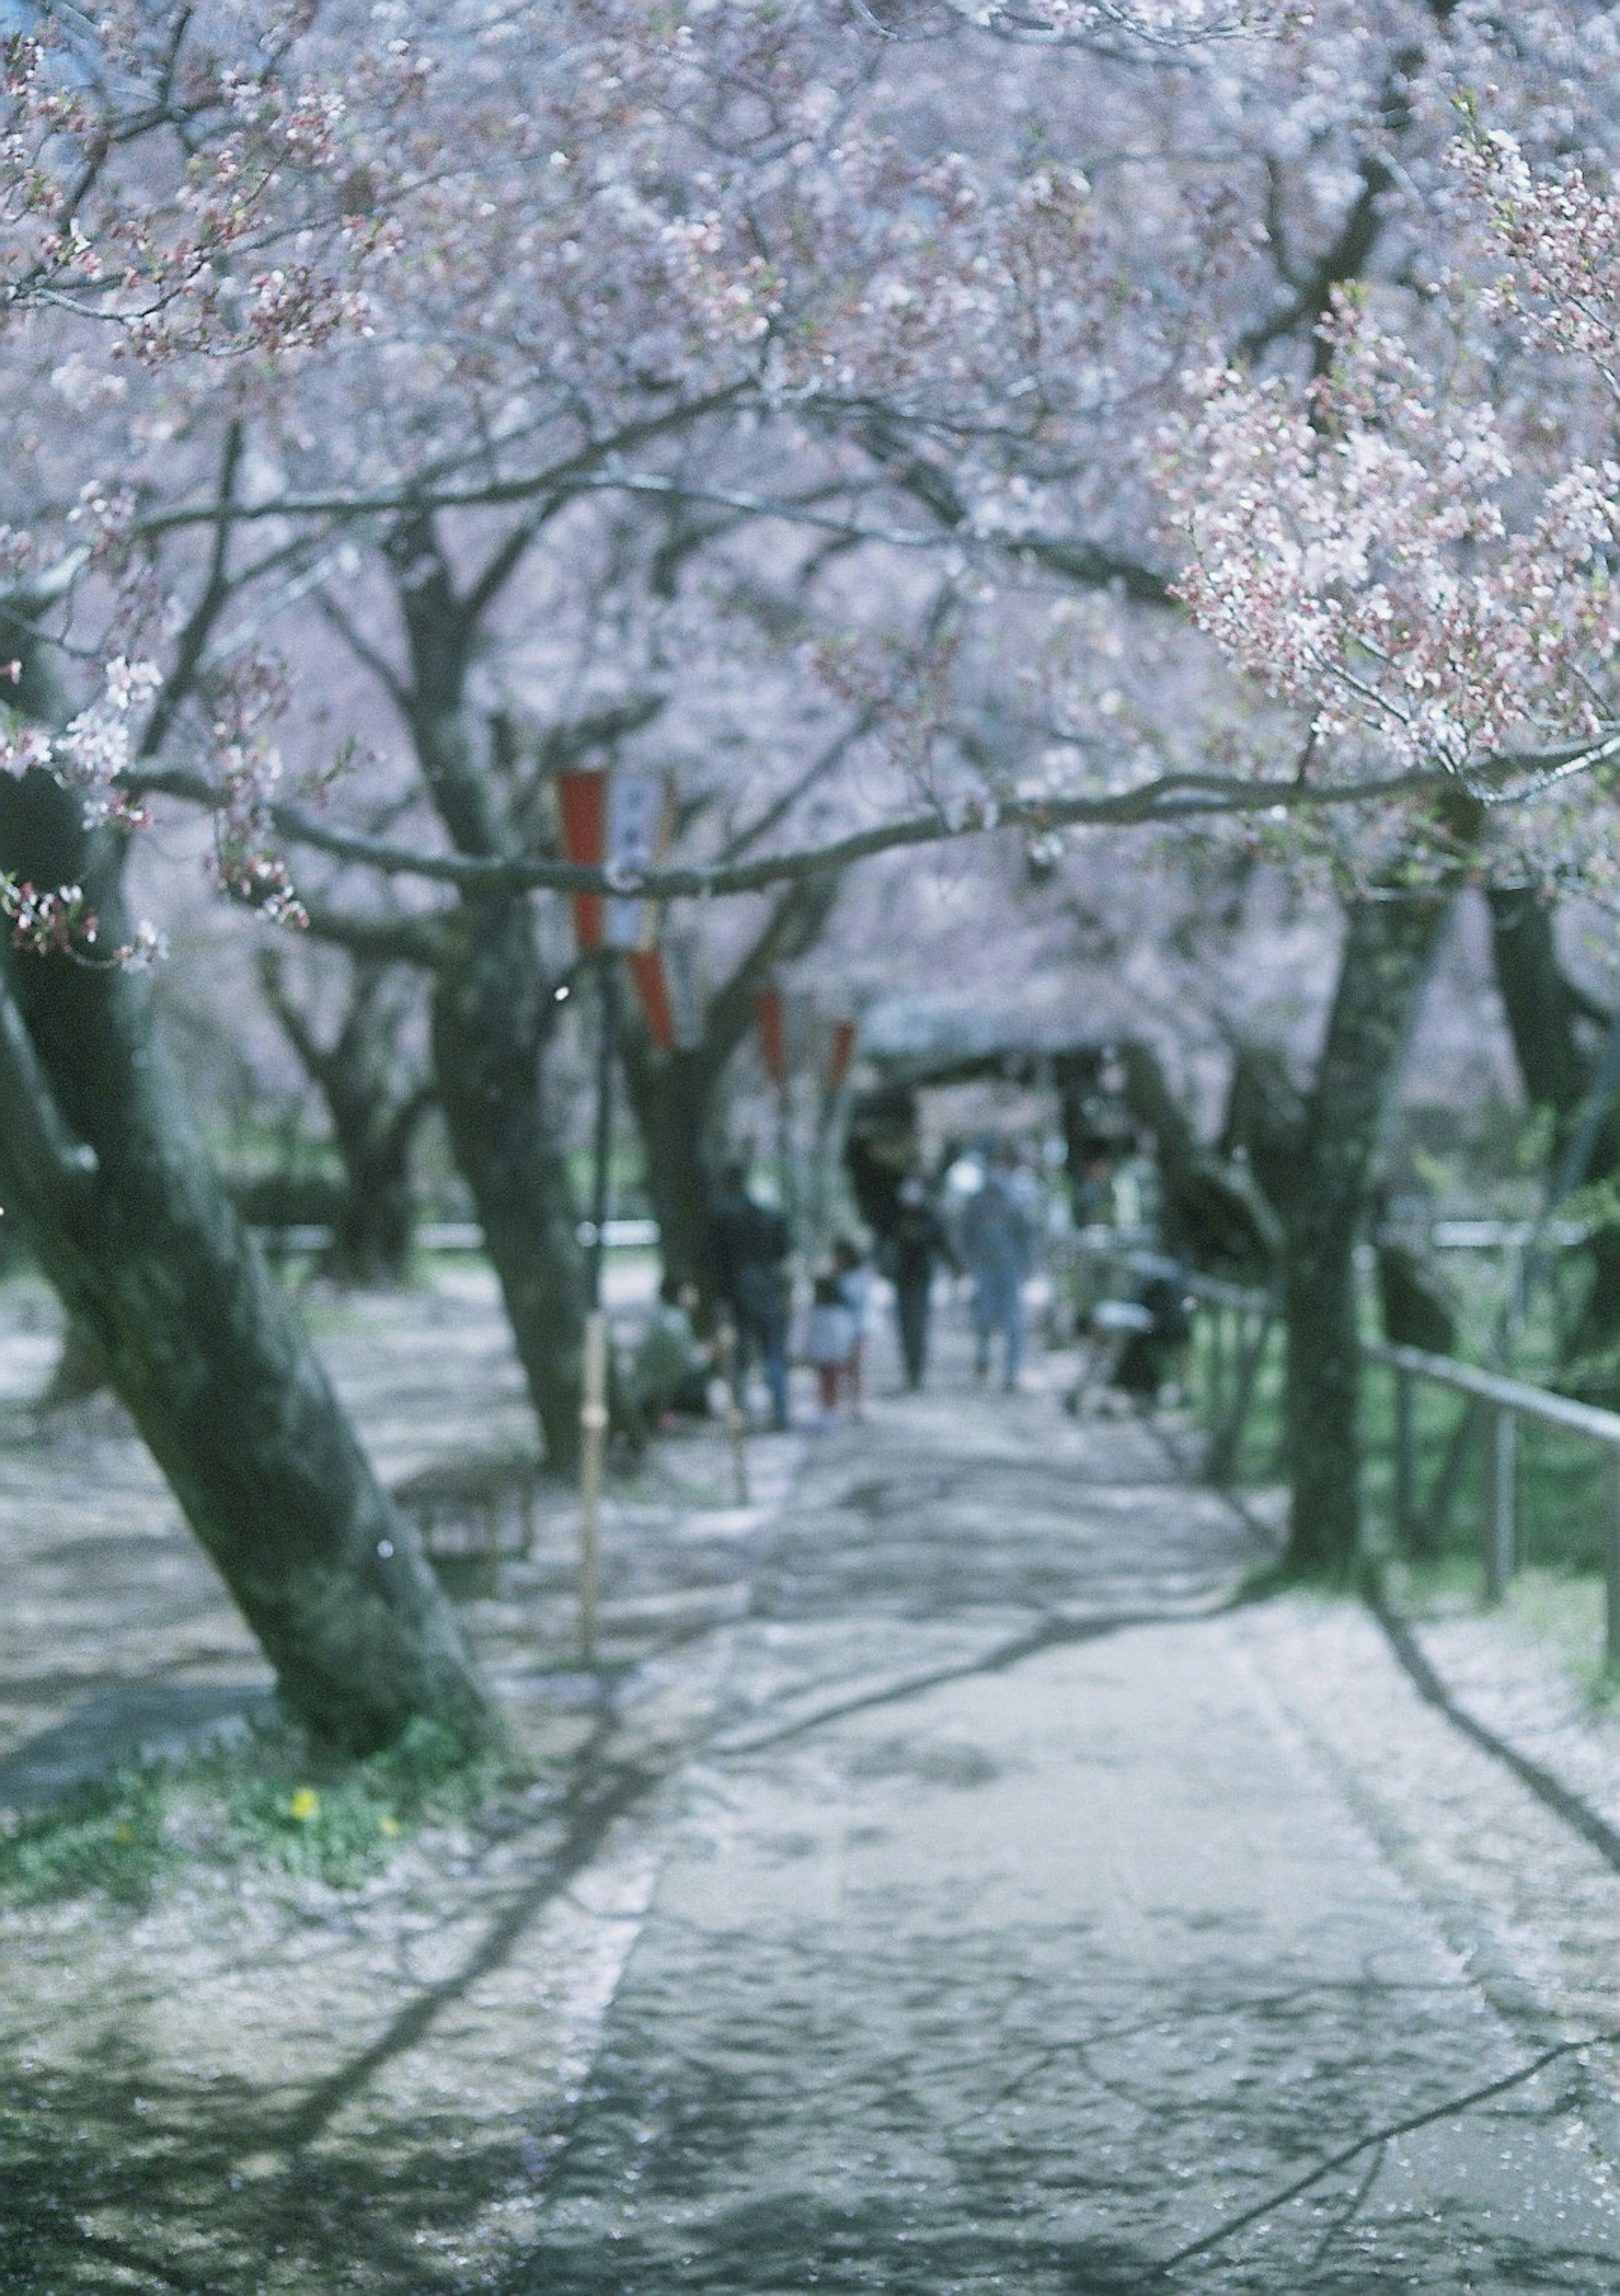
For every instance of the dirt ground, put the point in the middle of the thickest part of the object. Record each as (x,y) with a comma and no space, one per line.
(258,2081)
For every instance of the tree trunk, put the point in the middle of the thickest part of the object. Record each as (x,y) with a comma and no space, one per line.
(671,1097)
(1542,1008)
(489,1023)
(1214,1215)
(492,1004)
(132,1226)
(374,1123)
(370,1241)
(1386,954)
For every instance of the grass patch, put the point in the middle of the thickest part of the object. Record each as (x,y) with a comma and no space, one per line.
(111,1839)
(265,1801)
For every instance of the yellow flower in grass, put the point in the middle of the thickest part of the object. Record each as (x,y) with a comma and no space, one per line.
(304,1804)
(387,1823)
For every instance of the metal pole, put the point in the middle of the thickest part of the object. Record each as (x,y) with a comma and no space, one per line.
(1405,1462)
(1500,1462)
(594,1402)
(784,1155)
(1612,1560)
(607,1048)
(593,1419)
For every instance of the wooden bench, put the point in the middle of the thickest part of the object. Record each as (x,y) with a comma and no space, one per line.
(479,1507)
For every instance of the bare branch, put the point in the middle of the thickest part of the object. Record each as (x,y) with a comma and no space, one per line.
(1169,798)
(1377,2137)
(418,940)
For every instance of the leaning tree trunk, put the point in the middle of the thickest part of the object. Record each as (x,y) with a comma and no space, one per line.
(1385,960)
(490,1027)
(492,1007)
(1214,1215)
(99,1158)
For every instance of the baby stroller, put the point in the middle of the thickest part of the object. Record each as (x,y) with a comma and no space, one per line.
(1132,1344)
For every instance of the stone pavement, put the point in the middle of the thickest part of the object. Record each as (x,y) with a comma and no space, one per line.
(987,1904)
(1012,1936)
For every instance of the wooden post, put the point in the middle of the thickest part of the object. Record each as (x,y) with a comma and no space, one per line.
(1501,1464)
(1405,1462)
(1612,1560)
(736,1418)
(1212,1368)
(1225,1442)
(594,1425)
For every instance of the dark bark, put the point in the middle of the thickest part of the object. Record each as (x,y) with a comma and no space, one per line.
(1214,1217)
(79,1371)
(1542,1008)
(489,1024)
(674,1096)
(492,1003)
(1265,1116)
(672,1099)
(374,1123)
(1388,947)
(100,1160)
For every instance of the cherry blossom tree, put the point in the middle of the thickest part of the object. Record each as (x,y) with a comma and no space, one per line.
(860,287)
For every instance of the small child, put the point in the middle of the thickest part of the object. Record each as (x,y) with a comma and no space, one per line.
(830,1333)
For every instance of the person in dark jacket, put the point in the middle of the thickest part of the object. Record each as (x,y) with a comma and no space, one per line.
(748,1250)
(916,1245)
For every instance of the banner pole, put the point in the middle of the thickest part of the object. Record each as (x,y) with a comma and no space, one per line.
(593,1404)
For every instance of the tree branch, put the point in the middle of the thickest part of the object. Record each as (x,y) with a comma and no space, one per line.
(1343,2158)
(1169,798)
(192,644)
(418,940)
(363,651)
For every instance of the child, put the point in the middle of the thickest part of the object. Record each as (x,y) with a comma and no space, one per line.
(829,1335)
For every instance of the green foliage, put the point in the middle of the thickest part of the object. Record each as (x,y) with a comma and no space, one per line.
(111,1837)
(1559,1485)
(267,1802)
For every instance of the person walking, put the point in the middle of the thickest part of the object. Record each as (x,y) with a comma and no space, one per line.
(998,1243)
(917,1243)
(748,1251)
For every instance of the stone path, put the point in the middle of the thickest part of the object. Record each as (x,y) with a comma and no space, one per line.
(1013,1937)
(953,1895)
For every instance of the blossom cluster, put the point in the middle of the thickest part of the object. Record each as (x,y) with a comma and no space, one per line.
(245,865)
(1560,236)
(94,751)
(1374,553)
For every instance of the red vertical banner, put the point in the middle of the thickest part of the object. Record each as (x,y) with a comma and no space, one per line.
(840,1053)
(582,808)
(647,971)
(770,1011)
(619,823)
